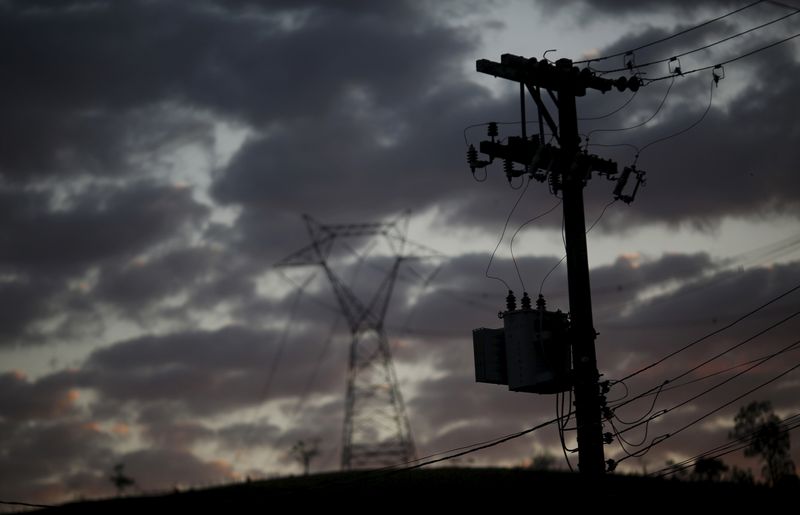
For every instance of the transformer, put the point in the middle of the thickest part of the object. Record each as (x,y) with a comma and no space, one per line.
(530,353)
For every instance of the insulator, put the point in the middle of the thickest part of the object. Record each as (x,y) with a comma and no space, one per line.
(472,157)
(621,83)
(717,78)
(634,83)
(526,301)
(492,130)
(608,438)
(554,179)
(622,181)
(540,303)
(610,465)
(511,301)
(508,167)
(674,66)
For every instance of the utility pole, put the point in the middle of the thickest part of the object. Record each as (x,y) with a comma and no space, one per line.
(567,169)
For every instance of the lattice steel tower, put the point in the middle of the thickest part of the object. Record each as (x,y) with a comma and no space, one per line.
(376,429)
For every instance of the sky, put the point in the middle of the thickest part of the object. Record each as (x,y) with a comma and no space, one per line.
(157,158)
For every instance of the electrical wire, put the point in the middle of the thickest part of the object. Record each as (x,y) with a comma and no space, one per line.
(627,390)
(713,333)
(615,111)
(667,38)
(481,447)
(704,47)
(682,131)
(667,436)
(658,109)
(623,442)
(511,246)
(652,407)
(746,439)
(712,388)
(503,233)
(796,346)
(277,357)
(317,364)
(602,213)
(709,360)
(723,63)
(726,448)
(560,416)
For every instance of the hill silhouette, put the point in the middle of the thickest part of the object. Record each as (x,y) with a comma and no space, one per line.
(442,487)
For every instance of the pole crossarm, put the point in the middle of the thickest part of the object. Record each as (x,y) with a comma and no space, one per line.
(561,76)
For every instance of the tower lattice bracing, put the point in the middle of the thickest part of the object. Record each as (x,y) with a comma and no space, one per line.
(376,428)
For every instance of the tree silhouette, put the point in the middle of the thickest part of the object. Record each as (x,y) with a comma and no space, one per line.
(709,469)
(120,480)
(758,424)
(304,453)
(543,461)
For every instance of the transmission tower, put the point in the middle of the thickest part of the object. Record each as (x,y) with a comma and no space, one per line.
(376,429)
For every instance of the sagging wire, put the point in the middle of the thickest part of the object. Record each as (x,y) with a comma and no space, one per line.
(671,36)
(652,407)
(513,258)
(734,59)
(714,82)
(503,233)
(663,437)
(638,125)
(623,383)
(683,403)
(563,423)
(615,111)
(699,49)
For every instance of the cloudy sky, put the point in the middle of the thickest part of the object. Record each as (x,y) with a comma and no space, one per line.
(156,158)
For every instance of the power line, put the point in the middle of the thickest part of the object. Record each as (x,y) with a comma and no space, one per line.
(723,63)
(724,449)
(699,49)
(481,447)
(687,129)
(712,388)
(615,111)
(713,333)
(666,436)
(718,372)
(667,38)
(658,109)
(709,360)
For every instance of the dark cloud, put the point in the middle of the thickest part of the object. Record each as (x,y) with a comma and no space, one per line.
(54,461)
(99,225)
(135,285)
(208,373)
(22,399)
